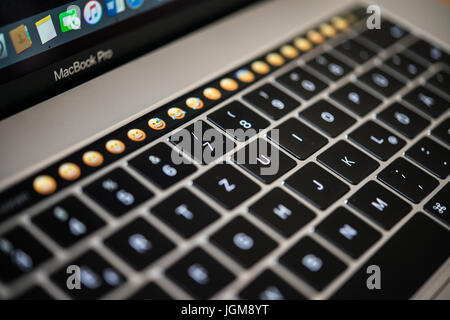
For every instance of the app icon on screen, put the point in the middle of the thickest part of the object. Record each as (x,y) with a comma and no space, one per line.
(3,51)
(46,29)
(20,38)
(69,20)
(114,7)
(92,12)
(134,4)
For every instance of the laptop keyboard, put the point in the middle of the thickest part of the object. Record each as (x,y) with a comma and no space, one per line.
(360,126)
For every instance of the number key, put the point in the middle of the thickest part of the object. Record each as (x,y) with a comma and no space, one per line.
(381,82)
(329,66)
(405,66)
(302,83)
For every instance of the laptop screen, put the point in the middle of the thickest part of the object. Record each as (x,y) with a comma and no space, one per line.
(47,47)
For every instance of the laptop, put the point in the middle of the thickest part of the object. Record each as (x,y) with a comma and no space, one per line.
(168,149)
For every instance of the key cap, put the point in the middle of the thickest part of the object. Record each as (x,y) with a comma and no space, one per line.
(427,101)
(378,141)
(185,213)
(432,156)
(20,254)
(313,263)
(386,35)
(272,101)
(405,66)
(97,277)
(439,205)
(150,291)
(263,160)
(68,221)
(406,261)
(35,293)
(162,165)
(429,52)
(243,242)
(355,99)
(202,142)
(200,274)
(441,80)
(297,138)
(329,66)
(139,244)
(302,83)
(226,185)
(269,286)
(282,212)
(442,131)
(408,180)
(348,232)
(118,192)
(317,185)
(238,121)
(408,123)
(380,81)
(327,118)
(379,204)
(355,51)
(348,162)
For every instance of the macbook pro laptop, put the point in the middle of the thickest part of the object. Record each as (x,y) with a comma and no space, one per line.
(181,149)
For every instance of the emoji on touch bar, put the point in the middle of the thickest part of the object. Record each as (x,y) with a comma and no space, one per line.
(327,30)
(303,44)
(44,185)
(69,171)
(212,93)
(340,23)
(115,146)
(229,84)
(156,124)
(275,59)
(136,135)
(176,113)
(194,103)
(245,75)
(260,67)
(93,158)
(315,36)
(289,51)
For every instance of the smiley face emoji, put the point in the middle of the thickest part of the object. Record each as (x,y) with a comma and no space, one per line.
(44,185)
(156,124)
(194,103)
(115,146)
(136,135)
(176,113)
(69,171)
(93,158)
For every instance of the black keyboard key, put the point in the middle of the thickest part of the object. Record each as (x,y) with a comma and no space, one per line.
(427,101)
(150,291)
(348,162)
(348,232)
(386,35)
(432,156)
(282,212)
(35,294)
(439,205)
(400,118)
(405,65)
(430,52)
(377,140)
(379,204)
(442,131)
(263,160)
(68,221)
(243,242)
(381,82)
(162,165)
(199,274)
(238,121)
(269,286)
(20,254)
(355,99)
(406,261)
(329,66)
(202,142)
(296,138)
(272,101)
(118,192)
(302,83)
(313,263)
(327,118)
(441,80)
(139,244)
(408,180)
(355,51)
(185,213)
(317,185)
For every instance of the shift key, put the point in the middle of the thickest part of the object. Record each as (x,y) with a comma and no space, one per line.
(406,262)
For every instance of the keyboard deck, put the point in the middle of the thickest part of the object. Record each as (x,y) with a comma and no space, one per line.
(359,120)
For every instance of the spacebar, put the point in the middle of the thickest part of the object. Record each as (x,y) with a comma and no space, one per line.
(406,261)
